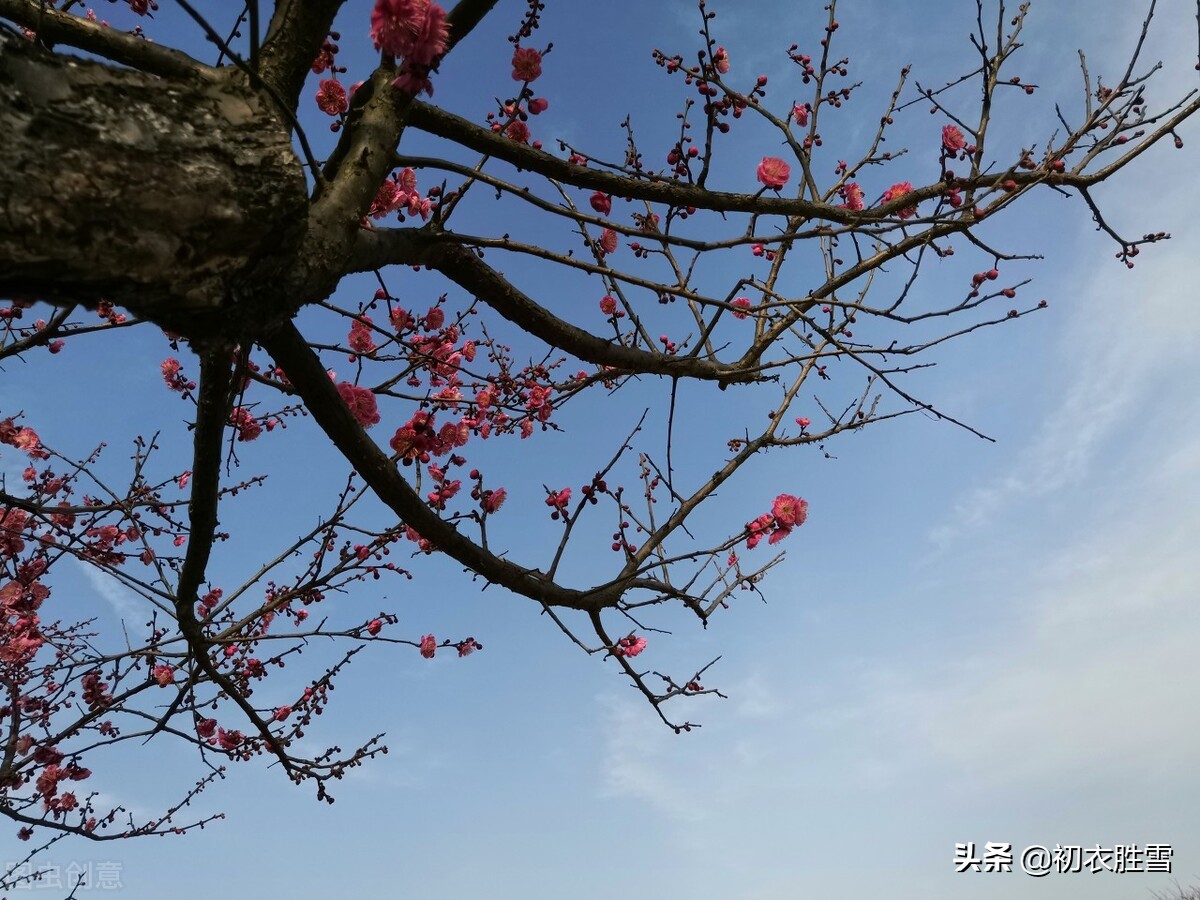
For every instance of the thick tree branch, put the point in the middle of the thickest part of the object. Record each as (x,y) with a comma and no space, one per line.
(357,167)
(293,39)
(364,156)
(411,247)
(441,123)
(212,414)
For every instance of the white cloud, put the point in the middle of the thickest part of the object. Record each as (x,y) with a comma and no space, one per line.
(124,601)
(755,698)
(637,762)
(1118,354)
(1083,666)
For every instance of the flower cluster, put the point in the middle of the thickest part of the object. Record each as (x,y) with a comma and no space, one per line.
(399,193)
(629,646)
(518,131)
(326,57)
(23,438)
(415,30)
(360,339)
(469,646)
(54,773)
(557,501)
(361,402)
(417,439)
(852,196)
(895,192)
(20,635)
(491,501)
(245,424)
(446,488)
(787,512)
(172,373)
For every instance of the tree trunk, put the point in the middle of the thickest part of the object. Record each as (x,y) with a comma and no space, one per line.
(199,176)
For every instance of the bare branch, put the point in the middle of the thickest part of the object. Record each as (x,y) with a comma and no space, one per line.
(58,27)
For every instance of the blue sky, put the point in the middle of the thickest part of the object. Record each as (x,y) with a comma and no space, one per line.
(967,641)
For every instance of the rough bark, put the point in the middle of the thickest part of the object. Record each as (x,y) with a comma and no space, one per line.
(198,172)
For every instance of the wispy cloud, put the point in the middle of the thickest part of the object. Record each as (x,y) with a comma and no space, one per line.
(755,698)
(637,764)
(1085,661)
(125,602)
(1115,361)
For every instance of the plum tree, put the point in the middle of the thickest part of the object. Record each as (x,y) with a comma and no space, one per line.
(148,190)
